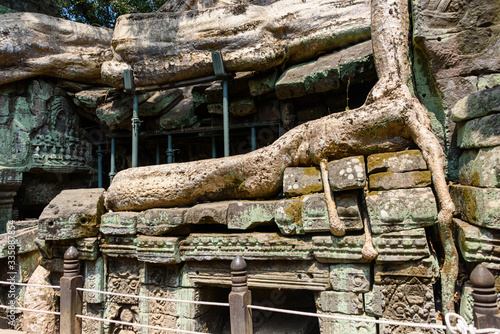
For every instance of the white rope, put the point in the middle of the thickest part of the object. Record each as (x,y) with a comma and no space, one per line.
(154,298)
(29,310)
(34,285)
(463,328)
(137,325)
(337,317)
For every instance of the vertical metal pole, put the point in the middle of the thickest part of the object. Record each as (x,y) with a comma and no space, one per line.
(225,115)
(170,151)
(71,299)
(254,139)
(135,131)
(112,169)
(214,148)
(240,297)
(99,166)
(157,152)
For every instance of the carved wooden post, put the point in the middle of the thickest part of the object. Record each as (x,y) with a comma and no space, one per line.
(71,299)
(239,298)
(486,313)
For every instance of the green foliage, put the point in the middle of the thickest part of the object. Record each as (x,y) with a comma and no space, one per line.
(103,13)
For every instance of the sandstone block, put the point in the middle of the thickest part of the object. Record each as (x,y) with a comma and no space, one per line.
(389,180)
(119,246)
(477,104)
(327,72)
(479,206)
(374,301)
(119,223)
(301,181)
(404,246)
(263,85)
(160,102)
(72,214)
(480,132)
(347,173)
(159,221)
(397,162)
(300,275)
(162,275)
(94,280)
(23,241)
(330,249)
(480,168)
(157,249)
(180,116)
(350,277)
(248,214)
(426,270)
(315,212)
(478,244)
(242,107)
(207,213)
(401,209)
(339,302)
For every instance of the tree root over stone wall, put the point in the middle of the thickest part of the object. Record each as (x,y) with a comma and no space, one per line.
(386,122)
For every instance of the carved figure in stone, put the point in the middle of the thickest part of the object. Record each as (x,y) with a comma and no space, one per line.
(390,118)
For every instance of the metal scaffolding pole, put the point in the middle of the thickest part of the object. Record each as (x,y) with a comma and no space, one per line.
(220,72)
(129,85)
(112,169)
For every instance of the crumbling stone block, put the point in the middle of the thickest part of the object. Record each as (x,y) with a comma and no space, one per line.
(299,181)
(479,132)
(389,180)
(348,173)
(74,213)
(396,162)
(479,206)
(480,168)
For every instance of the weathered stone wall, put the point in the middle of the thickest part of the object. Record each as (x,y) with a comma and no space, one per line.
(183,252)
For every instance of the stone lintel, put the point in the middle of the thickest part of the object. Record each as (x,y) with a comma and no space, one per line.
(160,221)
(300,275)
(253,246)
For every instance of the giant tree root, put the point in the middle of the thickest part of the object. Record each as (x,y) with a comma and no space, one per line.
(390,116)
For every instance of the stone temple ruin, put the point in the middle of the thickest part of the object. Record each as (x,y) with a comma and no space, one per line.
(363,178)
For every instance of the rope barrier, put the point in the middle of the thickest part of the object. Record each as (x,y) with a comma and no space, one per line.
(34,285)
(154,298)
(137,325)
(337,317)
(29,310)
(463,328)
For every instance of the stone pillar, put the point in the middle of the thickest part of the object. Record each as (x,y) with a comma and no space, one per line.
(10,180)
(486,313)
(239,298)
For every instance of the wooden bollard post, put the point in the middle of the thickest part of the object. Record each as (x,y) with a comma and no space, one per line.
(239,298)
(486,313)
(71,299)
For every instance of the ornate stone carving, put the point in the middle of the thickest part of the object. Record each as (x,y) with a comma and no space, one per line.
(123,277)
(410,245)
(94,280)
(92,326)
(254,246)
(350,277)
(161,275)
(119,247)
(158,249)
(339,302)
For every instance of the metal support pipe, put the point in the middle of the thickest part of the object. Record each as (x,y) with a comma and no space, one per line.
(254,138)
(214,148)
(99,166)
(225,116)
(135,131)
(112,168)
(157,152)
(170,151)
